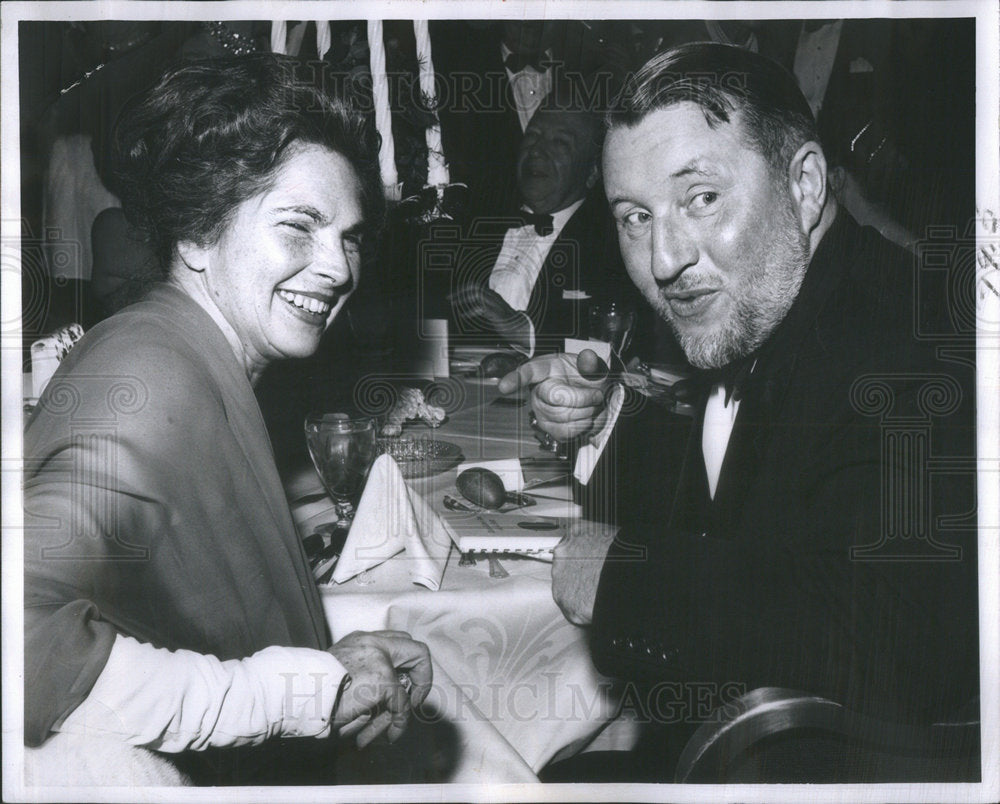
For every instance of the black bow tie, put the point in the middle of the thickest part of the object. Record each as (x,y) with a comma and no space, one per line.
(516,62)
(734,379)
(542,223)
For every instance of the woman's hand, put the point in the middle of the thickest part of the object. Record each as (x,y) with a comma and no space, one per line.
(390,674)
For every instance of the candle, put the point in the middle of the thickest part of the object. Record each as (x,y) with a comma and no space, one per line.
(437,168)
(383,117)
(323,38)
(279,30)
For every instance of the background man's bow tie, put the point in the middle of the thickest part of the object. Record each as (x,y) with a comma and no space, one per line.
(542,223)
(516,62)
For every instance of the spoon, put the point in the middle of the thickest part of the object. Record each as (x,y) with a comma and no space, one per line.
(484,488)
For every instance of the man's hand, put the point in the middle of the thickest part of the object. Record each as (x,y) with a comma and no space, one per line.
(481,305)
(576,570)
(567,392)
(376,701)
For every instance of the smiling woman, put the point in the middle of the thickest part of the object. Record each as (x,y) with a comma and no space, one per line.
(168,601)
(286,263)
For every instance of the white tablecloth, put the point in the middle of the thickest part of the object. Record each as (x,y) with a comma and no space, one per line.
(514,685)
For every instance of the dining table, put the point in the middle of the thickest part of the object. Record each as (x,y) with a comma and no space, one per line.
(514,685)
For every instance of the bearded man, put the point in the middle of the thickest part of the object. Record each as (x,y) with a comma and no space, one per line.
(795,532)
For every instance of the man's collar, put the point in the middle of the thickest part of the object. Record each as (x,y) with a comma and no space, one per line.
(560,218)
(537,62)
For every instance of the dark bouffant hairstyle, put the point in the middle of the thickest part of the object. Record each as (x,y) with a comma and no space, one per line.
(210,135)
(723,80)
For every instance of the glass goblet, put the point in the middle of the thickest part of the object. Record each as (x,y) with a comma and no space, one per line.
(613,323)
(342,450)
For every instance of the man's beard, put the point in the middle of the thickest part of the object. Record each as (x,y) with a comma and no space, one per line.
(776,264)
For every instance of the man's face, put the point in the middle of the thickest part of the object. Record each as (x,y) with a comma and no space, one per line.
(525,36)
(708,233)
(556,161)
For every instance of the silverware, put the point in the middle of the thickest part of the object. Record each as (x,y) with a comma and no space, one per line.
(456,505)
(517,501)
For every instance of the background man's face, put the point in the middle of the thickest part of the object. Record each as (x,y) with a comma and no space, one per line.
(556,160)
(708,234)
(526,36)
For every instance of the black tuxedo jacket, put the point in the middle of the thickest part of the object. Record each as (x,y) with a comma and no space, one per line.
(584,257)
(838,556)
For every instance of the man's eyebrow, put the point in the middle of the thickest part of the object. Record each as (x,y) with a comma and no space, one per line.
(696,167)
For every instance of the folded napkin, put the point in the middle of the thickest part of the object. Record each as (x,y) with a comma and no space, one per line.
(48,351)
(392,518)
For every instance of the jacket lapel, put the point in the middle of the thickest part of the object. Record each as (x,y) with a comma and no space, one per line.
(247,424)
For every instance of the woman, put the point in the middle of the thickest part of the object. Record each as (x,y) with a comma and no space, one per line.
(168,602)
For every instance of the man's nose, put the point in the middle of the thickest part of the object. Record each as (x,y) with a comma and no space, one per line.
(673,251)
(539,148)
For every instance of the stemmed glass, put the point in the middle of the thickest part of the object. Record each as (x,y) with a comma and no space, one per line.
(613,323)
(342,450)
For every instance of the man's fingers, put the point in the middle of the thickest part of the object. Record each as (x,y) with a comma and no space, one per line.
(527,374)
(467,301)
(590,365)
(547,414)
(561,395)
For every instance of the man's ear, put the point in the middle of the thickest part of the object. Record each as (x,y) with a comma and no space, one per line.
(593,176)
(807,182)
(194,257)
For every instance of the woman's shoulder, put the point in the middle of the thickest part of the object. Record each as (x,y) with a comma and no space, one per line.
(150,351)
(139,372)
(139,342)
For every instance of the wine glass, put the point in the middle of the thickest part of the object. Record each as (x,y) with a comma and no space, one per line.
(613,323)
(342,450)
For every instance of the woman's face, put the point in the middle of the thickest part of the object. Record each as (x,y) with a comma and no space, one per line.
(289,258)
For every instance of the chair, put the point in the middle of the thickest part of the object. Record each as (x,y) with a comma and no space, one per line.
(779,735)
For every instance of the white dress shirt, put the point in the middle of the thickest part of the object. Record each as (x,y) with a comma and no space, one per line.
(529,86)
(814,57)
(716,431)
(520,262)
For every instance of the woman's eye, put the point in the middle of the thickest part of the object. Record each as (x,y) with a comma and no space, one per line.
(296,225)
(353,242)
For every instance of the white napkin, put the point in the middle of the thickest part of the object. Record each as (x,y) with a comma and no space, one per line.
(508,470)
(48,351)
(392,518)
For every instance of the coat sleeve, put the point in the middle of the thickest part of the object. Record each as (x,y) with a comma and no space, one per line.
(99,452)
